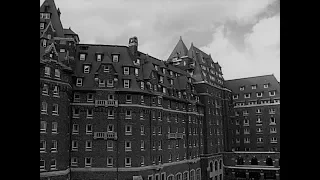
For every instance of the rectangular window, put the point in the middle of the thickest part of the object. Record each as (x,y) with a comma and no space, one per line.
(45,89)
(109,145)
(55,110)
(246,131)
(254,86)
(54,146)
(127,145)
(76,97)
(74,162)
(258,120)
(54,129)
(110,113)
(75,129)
(89,97)
(272,93)
(126,83)
(102,83)
(272,120)
(57,73)
(273,140)
(110,83)
(79,82)
(128,114)
(235,96)
(142,85)
(127,162)
(41,25)
(110,162)
(142,161)
(259,140)
(273,130)
(142,145)
(56,91)
(246,140)
(115,58)
(98,57)
(128,130)
(106,68)
(126,70)
(86,69)
(241,88)
(136,71)
(259,94)
(88,162)
(265,85)
(42,146)
(74,145)
(89,129)
(247,95)
(259,130)
(47,71)
(82,57)
(53,164)
(62,50)
(43,127)
(88,145)
(89,113)
(245,122)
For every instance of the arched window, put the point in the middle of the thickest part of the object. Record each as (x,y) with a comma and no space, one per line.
(269,161)
(240,161)
(254,161)
(220,164)
(215,165)
(211,166)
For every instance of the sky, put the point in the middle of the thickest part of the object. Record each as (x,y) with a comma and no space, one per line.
(242,35)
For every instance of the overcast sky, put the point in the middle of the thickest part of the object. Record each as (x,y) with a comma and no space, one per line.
(242,35)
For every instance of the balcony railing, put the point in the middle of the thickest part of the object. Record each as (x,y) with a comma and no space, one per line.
(105,135)
(106,103)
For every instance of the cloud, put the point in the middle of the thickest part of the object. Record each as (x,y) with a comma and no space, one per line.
(260,57)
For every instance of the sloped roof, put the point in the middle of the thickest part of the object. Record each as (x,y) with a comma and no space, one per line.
(55,19)
(69,31)
(180,50)
(235,84)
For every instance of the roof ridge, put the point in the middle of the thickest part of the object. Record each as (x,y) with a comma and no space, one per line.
(251,77)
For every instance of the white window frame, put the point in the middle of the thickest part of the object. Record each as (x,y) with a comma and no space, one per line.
(126,83)
(74,162)
(47,71)
(142,145)
(245,95)
(88,97)
(82,57)
(109,148)
(142,130)
(75,145)
(87,130)
(44,108)
(62,50)
(75,129)
(272,122)
(43,168)
(109,83)
(74,114)
(89,116)
(44,124)
(110,164)
(56,91)
(126,70)
(246,140)
(88,145)
(128,132)
(242,88)
(99,57)
(41,25)
(273,130)
(265,85)
(272,93)
(86,69)
(178,174)
(79,82)
(44,146)
(54,147)
(110,115)
(54,128)
(86,163)
(125,161)
(260,94)
(55,110)
(76,99)
(57,73)
(115,58)
(127,148)
(246,131)
(236,96)
(259,140)
(273,140)
(102,83)
(253,86)
(259,130)
(106,68)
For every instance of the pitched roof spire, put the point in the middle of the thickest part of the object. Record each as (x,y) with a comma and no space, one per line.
(50,6)
(180,49)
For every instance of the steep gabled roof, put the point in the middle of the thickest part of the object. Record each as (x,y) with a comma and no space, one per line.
(180,50)
(55,19)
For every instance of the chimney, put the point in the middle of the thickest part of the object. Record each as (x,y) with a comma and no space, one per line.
(133,45)
(59,12)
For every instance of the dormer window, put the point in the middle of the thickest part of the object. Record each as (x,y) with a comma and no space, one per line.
(272,93)
(126,83)
(110,83)
(82,57)
(142,85)
(41,25)
(57,73)
(126,70)
(137,62)
(161,79)
(49,36)
(79,82)
(115,58)
(99,57)
(247,95)
(259,94)
(241,88)
(86,69)
(156,67)
(106,69)
(265,85)
(254,86)
(235,96)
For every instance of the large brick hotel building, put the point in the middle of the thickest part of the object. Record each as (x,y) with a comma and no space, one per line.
(113,112)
